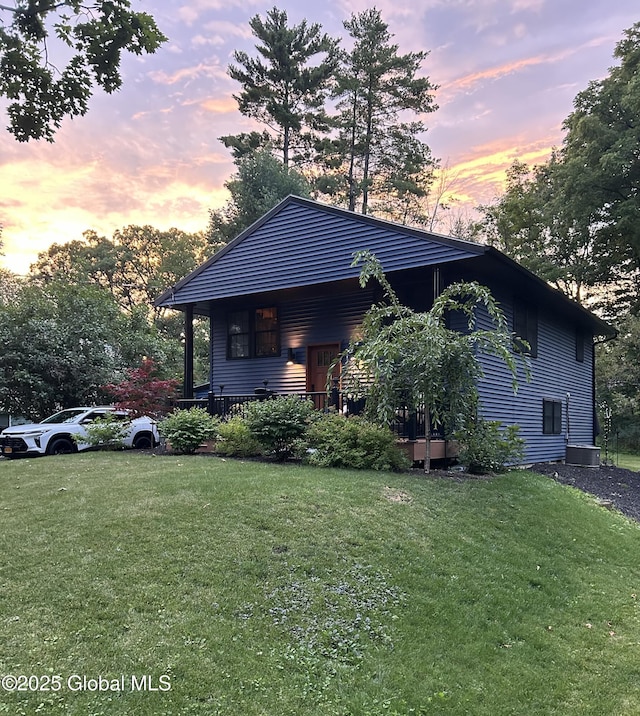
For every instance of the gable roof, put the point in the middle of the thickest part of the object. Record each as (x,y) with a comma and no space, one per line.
(301,242)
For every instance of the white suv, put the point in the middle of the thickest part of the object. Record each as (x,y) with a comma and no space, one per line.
(55,435)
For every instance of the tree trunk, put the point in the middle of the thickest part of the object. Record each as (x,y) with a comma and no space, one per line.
(352,159)
(427,438)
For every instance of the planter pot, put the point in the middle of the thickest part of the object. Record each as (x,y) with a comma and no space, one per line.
(416,450)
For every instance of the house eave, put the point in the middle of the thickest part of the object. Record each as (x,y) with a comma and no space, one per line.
(551,295)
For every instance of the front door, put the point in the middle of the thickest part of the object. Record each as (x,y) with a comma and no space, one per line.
(319,359)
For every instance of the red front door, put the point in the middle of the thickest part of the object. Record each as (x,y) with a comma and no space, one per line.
(319,359)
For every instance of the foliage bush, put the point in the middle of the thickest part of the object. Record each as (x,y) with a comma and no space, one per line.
(144,392)
(186,430)
(107,433)
(337,441)
(486,447)
(280,424)
(235,439)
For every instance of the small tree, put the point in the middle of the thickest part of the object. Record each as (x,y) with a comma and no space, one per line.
(144,392)
(410,358)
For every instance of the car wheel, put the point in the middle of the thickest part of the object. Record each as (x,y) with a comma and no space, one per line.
(60,446)
(143,441)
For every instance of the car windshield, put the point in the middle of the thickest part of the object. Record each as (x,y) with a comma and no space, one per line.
(66,416)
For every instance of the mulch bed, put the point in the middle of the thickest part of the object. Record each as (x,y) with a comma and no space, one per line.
(615,487)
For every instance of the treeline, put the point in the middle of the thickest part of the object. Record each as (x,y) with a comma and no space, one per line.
(84,316)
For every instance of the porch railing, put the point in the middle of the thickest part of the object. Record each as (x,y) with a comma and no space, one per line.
(406,423)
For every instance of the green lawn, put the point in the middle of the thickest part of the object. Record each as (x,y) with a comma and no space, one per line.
(628,460)
(194,585)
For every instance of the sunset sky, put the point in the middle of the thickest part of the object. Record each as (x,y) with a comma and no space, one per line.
(508,72)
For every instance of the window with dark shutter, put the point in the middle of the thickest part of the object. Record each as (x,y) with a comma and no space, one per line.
(551,417)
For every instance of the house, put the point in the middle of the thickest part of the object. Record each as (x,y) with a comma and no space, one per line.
(282,300)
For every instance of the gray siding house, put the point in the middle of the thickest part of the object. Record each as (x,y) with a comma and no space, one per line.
(282,300)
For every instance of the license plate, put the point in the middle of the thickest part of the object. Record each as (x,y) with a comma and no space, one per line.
(7,449)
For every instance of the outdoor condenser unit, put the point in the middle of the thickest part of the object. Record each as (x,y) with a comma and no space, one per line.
(583,455)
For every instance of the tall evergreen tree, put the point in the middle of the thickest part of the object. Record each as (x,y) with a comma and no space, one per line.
(375,87)
(283,90)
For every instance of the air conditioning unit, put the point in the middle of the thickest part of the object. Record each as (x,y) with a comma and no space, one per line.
(583,455)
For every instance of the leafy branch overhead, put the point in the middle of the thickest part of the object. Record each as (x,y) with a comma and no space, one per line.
(92,36)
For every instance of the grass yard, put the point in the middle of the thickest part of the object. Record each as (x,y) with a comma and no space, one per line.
(162,586)
(627,460)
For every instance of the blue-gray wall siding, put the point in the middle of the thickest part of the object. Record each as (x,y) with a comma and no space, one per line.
(554,374)
(331,317)
(324,317)
(305,244)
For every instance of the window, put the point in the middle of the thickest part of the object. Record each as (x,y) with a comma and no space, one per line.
(551,417)
(238,335)
(579,346)
(525,327)
(266,332)
(253,333)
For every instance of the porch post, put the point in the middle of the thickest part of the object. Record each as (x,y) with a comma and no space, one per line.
(211,393)
(187,390)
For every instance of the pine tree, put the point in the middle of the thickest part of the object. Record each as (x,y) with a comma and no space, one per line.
(283,90)
(375,87)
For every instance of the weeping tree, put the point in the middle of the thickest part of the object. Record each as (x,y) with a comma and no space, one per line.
(408,358)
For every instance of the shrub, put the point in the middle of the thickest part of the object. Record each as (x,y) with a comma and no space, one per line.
(354,442)
(188,429)
(485,447)
(144,392)
(106,433)
(280,424)
(236,440)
